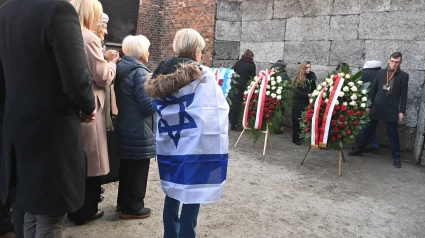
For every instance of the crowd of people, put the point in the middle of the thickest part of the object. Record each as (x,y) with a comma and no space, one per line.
(57,94)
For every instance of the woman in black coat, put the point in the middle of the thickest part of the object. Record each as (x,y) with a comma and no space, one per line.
(135,139)
(304,83)
(245,67)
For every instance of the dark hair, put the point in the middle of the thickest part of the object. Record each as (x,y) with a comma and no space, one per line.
(248,54)
(278,65)
(342,64)
(396,55)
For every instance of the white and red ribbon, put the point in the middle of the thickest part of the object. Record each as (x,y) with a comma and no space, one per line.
(262,79)
(315,133)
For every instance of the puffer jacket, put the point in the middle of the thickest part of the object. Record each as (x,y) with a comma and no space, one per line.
(135,122)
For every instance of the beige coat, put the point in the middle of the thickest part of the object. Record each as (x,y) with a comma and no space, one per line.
(94,134)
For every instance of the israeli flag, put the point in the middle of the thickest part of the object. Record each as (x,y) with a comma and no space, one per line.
(192,141)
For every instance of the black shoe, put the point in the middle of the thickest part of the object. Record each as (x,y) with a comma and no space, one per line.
(355,152)
(101,198)
(96,216)
(144,213)
(397,163)
(234,128)
(372,150)
(297,142)
(102,190)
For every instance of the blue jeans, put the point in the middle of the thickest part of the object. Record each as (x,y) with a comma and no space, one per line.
(183,227)
(374,143)
(392,134)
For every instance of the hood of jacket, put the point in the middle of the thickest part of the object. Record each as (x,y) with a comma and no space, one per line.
(127,65)
(171,75)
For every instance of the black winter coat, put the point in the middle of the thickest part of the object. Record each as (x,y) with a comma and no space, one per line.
(300,98)
(135,122)
(386,108)
(43,68)
(246,69)
(368,75)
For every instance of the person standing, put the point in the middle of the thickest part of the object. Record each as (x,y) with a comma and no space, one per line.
(304,83)
(246,69)
(48,92)
(192,135)
(369,71)
(135,122)
(389,102)
(94,137)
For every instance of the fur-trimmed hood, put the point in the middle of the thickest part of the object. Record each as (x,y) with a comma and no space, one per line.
(171,75)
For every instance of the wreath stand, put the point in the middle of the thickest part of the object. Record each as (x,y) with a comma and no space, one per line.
(267,132)
(341,159)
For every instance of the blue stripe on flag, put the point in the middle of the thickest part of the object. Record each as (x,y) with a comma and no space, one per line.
(193,169)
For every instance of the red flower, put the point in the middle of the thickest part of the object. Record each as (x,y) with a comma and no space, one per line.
(355,123)
(271,112)
(309,116)
(278,102)
(343,107)
(220,82)
(342,124)
(334,113)
(359,113)
(255,96)
(339,136)
(307,129)
(305,121)
(336,130)
(266,104)
(310,111)
(337,107)
(245,96)
(333,139)
(272,100)
(348,132)
(350,113)
(341,118)
(266,110)
(271,106)
(268,116)
(333,123)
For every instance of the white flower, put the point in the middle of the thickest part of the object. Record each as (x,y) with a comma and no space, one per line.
(351,84)
(329,80)
(278,97)
(311,100)
(360,82)
(345,89)
(249,87)
(268,86)
(332,76)
(268,93)
(273,95)
(279,79)
(246,92)
(353,97)
(331,83)
(364,99)
(252,83)
(341,94)
(272,78)
(256,91)
(274,88)
(363,105)
(327,100)
(278,91)
(353,103)
(341,74)
(315,93)
(331,88)
(336,102)
(319,88)
(273,83)
(324,94)
(364,91)
(345,103)
(347,76)
(323,84)
(279,88)
(354,89)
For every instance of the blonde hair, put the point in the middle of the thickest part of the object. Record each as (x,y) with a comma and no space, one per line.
(89,12)
(299,77)
(187,42)
(135,46)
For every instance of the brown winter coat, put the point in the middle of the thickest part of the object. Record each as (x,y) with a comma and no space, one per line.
(94,134)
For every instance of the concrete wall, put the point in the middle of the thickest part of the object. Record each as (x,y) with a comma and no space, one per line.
(327,32)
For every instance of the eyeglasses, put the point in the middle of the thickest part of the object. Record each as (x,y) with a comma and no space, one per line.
(395,62)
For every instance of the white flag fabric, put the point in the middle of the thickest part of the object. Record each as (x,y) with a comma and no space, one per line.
(192,141)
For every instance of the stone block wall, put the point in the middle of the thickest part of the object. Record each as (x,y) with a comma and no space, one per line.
(327,32)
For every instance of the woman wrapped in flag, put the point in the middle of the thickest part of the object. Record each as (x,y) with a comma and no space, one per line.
(192,135)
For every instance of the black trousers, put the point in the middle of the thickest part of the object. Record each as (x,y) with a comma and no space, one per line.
(91,201)
(133,183)
(5,217)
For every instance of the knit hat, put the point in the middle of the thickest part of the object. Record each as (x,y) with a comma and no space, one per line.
(105,18)
(372,64)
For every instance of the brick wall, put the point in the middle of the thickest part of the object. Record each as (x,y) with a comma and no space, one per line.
(159,20)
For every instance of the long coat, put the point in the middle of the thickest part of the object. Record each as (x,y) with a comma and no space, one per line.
(386,108)
(43,68)
(94,134)
(300,97)
(135,122)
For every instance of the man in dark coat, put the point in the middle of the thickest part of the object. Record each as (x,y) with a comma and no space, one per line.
(48,93)
(389,101)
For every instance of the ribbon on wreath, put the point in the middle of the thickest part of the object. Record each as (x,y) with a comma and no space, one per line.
(223,76)
(262,79)
(319,137)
